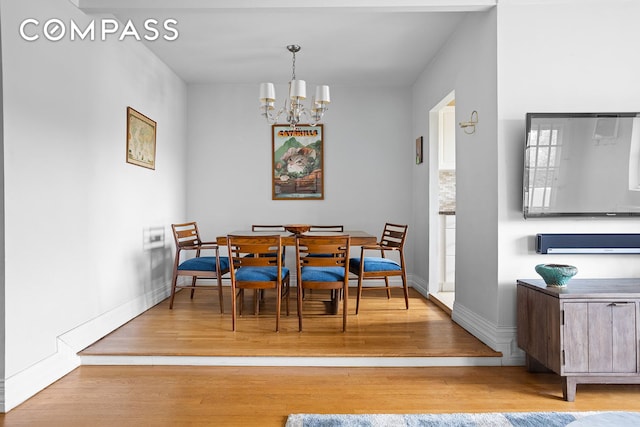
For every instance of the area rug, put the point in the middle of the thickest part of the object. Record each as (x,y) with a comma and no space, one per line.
(504,419)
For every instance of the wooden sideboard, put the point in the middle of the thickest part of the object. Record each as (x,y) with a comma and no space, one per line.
(586,332)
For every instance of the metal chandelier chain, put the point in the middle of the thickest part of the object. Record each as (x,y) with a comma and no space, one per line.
(293,66)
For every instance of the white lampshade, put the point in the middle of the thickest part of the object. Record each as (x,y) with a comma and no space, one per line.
(297,89)
(322,94)
(267,92)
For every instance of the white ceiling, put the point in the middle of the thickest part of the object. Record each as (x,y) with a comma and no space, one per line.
(386,43)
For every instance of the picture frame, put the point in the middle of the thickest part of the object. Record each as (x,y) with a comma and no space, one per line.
(141,139)
(419,157)
(297,162)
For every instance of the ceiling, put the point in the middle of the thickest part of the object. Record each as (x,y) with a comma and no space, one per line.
(343,42)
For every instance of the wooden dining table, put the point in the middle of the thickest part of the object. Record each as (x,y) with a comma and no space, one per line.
(358,238)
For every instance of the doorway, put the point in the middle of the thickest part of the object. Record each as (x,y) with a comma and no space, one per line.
(442,215)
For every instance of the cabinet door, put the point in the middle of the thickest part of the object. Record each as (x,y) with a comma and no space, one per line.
(612,337)
(599,337)
(575,344)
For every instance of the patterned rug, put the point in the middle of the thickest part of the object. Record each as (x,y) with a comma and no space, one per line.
(504,419)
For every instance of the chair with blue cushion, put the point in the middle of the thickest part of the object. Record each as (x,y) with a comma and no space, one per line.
(187,239)
(382,267)
(328,271)
(256,263)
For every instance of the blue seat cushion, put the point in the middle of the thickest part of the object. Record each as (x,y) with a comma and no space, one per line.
(204,263)
(259,274)
(372,264)
(322,274)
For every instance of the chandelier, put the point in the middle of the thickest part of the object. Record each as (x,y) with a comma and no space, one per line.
(293,108)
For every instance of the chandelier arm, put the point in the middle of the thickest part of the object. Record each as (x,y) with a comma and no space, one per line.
(272,118)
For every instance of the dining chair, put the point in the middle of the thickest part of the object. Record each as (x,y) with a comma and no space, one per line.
(187,240)
(329,271)
(328,228)
(337,228)
(382,267)
(258,227)
(256,263)
(272,228)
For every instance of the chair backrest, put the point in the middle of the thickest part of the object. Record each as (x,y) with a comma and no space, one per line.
(186,234)
(393,235)
(258,227)
(334,251)
(338,228)
(254,251)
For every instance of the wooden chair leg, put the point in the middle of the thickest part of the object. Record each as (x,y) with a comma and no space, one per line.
(173,291)
(288,293)
(233,308)
(406,290)
(344,308)
(386,283)
(240,294)
(193,286)
(278,305)
(359,294)
(220,294)
(300,296)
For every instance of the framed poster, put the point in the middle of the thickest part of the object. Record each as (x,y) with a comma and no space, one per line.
(141,139)
(297,162)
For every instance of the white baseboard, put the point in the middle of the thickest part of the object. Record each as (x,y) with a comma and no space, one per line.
(419,285)
(499,338)
(396,362)
(27,383)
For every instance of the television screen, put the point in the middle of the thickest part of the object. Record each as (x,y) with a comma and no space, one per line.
(582,164)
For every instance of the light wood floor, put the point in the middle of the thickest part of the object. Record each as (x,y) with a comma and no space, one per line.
(264,396)
(384,328)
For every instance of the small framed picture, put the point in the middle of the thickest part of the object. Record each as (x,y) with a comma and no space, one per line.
(141,139)
(419,151)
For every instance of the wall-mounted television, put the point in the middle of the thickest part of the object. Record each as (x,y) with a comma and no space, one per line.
(582,164)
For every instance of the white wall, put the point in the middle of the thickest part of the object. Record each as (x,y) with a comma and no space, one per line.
(75,211)
(2,227)
(369,155)
(466,64)
(574,56)
(526,55)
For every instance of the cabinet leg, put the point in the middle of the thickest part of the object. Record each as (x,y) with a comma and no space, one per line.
(569,388)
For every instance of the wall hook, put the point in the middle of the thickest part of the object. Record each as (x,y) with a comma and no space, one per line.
(470,126)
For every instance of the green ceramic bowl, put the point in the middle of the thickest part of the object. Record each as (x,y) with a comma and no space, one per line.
(557,275)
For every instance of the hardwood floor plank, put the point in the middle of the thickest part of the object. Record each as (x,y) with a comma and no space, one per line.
(264,396)
(384,328)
